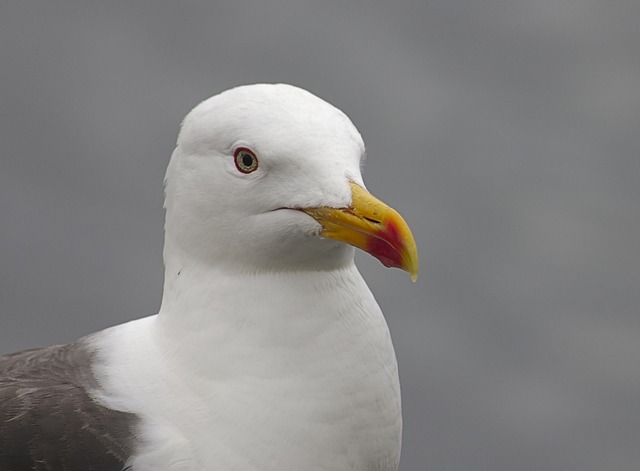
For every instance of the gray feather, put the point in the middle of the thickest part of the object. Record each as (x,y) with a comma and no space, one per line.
(48,419)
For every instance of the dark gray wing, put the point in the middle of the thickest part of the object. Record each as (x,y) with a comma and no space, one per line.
(49,422)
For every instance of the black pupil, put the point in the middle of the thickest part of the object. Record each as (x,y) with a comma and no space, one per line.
(247,160)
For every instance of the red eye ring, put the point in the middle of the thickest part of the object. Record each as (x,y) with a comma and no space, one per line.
(245,160)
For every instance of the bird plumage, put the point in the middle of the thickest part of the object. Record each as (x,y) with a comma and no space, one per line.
(47,418)
(269,351)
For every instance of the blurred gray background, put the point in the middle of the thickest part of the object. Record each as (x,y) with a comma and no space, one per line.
(506,132)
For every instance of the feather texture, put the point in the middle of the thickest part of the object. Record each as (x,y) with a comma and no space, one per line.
(48,419)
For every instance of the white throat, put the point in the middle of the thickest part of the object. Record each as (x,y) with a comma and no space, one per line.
(296,361)
(273,371)
(274,320)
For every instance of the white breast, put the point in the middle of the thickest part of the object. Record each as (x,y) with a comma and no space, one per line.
(298,375)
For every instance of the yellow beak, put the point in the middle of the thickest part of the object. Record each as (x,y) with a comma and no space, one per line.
(372,226)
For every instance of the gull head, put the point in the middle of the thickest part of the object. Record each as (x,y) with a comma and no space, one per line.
(268,177)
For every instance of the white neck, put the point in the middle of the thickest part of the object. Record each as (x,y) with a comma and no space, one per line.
(295,361)
(273,320)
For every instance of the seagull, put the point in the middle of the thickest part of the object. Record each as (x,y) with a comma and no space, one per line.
(269,351)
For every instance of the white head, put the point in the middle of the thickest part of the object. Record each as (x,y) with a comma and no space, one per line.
(223,211)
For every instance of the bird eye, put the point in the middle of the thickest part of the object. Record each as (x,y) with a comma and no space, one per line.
(246,161)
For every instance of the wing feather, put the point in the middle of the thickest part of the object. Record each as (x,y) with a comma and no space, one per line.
(48,418)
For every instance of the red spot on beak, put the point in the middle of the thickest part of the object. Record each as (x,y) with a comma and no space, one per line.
(386,246)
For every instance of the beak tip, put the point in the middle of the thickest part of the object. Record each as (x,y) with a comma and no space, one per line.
(411,266)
